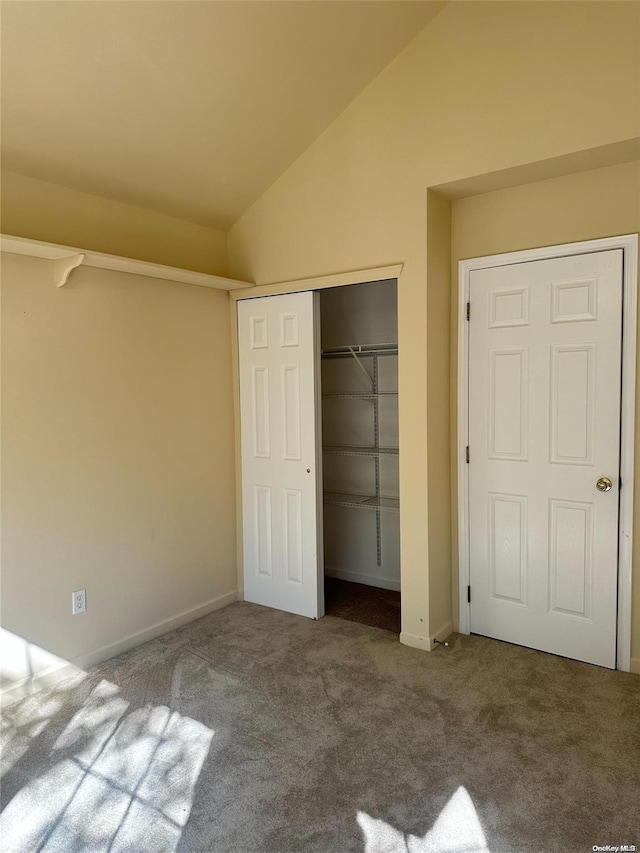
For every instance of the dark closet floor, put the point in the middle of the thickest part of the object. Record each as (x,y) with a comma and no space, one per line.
(369,605)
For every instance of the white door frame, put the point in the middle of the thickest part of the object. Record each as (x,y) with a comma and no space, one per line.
(629,245)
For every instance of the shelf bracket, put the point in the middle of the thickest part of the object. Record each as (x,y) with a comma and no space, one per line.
(362,367)
(63,267)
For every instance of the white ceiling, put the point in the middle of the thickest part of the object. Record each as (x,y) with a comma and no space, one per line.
(188,108)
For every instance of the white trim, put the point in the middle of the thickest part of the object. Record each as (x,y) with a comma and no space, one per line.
(63,267)
(152,631)
(77,257)
(464,611)
(629,244)
(317,351)
(52,676)
(416,642)
(428,644)
(627,448)
(34,683)
(442,634)
(625,242)
(320,282)
(367,580)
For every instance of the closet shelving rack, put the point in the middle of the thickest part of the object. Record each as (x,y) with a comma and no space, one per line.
(377,501)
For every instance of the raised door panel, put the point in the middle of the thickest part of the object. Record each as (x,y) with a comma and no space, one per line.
(289,335)
(572,403)
(261,533)
(260,412)
(570,557)
(290,385)
(259,333)
(573,301)
(293,535)
(509,308)
(508,401)
(508,547)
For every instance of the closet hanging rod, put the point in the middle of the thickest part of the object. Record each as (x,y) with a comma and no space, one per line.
(361,349)
(360,396)
(349,450)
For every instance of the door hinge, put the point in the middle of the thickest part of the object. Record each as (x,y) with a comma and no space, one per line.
(469,595)
(467,454)
(468,310)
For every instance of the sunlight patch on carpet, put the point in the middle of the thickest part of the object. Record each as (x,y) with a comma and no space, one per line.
(123,780)
(457,830)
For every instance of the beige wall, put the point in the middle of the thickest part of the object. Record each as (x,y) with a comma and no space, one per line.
(117,470)
(599,203)
(43,211)
(486,87)
(585,206)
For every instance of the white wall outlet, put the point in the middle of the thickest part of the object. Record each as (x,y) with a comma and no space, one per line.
(79,601)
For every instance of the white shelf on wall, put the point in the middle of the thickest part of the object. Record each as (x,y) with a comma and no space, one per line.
(359,347)
(370,353)
(66,258)
(362,501)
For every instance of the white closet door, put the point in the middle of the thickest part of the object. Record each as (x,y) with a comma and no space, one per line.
(279,351)
(544,428)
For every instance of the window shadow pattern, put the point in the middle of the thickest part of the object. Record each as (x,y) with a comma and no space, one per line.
(118,778)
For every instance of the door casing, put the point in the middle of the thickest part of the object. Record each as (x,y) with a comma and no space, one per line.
(629,244)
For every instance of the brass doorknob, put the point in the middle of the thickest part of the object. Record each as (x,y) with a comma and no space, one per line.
(604,484)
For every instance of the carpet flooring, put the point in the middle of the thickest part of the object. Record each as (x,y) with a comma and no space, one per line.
(369,605)
(255,731)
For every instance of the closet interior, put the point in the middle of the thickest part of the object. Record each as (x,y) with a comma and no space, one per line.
(359,340)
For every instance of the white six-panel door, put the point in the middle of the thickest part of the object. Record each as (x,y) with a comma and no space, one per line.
(544,427)
(278,352)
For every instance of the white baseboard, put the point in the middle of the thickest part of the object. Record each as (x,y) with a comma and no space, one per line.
(634,666)
(50,677)
(427,644)
(442,633)
(132,640)
(367,580)
(416,642)
(33,683)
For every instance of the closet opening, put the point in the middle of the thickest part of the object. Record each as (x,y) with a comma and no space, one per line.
(359,374)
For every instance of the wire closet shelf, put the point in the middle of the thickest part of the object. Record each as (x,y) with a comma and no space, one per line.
(377,501)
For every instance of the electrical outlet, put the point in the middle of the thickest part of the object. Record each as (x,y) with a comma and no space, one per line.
(79,601)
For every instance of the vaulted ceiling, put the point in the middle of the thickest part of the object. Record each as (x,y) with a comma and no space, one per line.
(188,108)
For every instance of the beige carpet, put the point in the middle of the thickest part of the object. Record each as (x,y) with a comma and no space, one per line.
(254,731)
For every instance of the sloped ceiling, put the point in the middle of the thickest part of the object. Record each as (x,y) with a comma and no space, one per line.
(188,108)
